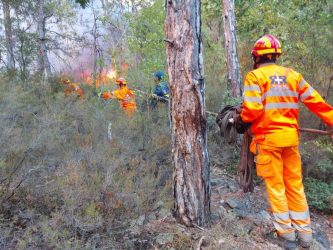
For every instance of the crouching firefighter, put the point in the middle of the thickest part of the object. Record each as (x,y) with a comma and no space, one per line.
(270,105)
(161,91)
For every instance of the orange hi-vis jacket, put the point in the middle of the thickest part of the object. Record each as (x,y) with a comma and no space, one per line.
(271,103)
(127,98)
(73,88)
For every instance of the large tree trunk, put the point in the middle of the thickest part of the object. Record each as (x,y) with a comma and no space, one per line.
(230,43)
(44,63)
(191,177)
(9,36)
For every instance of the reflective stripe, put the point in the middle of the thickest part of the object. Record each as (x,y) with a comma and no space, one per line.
(281,216)
(299,215)
(288,236)
(307,93)
(282,223)
(280,92)
(252,99)
(302,228)
(283,228)
(281,105)
(305,236)
(252,87)
(302,84)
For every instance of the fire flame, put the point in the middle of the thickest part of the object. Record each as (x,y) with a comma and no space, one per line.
(104,76)
(112,74)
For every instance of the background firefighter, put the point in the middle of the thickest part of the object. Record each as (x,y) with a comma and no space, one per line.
(125,96)
(72,88)
(161,91)
(271,104)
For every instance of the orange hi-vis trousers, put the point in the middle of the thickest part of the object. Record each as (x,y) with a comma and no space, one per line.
(282,172)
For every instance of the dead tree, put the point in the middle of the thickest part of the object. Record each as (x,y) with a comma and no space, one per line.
(44,63)
(191,177)
(9,36)
(230,43)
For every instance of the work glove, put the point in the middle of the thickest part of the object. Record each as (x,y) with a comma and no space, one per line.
(240,126)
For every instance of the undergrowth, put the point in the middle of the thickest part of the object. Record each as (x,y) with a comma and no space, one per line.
(77,173)
(82,166)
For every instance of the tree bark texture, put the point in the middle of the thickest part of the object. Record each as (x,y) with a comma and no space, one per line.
(9,35)
(230,43)
(44,63)
(191,176)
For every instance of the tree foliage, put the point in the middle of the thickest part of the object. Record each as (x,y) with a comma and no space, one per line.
(146,37)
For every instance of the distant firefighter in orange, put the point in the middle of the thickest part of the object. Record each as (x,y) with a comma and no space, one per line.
(72,88)
(125,95)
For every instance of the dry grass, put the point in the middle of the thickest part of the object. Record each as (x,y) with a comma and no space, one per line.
(59,163)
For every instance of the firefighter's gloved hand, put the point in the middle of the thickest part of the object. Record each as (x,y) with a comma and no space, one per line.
(241,126)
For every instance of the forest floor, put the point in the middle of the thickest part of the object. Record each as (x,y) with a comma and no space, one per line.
(239,221)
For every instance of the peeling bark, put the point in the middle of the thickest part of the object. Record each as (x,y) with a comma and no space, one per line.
(191,177)
(9,36)
(230,43)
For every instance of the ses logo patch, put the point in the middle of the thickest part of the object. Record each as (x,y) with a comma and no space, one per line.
(278,81)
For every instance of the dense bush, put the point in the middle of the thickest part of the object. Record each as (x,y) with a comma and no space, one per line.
(319,194)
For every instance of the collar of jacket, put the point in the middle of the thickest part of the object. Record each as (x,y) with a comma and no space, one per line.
(265,64)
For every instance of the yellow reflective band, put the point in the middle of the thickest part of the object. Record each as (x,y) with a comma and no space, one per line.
(268,51)
(266,41)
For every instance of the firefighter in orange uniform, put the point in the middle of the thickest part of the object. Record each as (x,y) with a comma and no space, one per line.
(71,88)
(270,106)
(125,96)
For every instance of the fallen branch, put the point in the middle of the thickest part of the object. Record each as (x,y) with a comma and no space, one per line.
(13,191)
(195,225)
(314,131)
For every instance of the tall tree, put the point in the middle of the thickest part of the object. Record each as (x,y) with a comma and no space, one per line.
(191,177)
(44,63)
(9,35)
(230,43)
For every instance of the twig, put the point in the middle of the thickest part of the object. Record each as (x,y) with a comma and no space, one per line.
(15,168)
(13,191)
(195,225)
(200,243)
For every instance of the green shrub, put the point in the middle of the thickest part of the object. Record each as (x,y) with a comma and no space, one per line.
(319,194)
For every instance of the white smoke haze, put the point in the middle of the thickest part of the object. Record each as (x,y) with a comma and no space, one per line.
(101,24)
(72,42)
